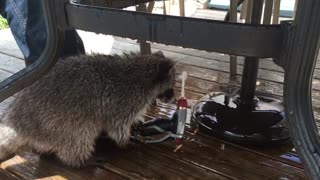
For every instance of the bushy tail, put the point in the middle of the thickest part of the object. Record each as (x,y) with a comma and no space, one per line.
(9,141)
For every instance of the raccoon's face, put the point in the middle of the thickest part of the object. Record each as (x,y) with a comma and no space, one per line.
(151,75)
(167,74)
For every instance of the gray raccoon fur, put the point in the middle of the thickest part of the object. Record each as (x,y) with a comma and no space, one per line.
(81,97)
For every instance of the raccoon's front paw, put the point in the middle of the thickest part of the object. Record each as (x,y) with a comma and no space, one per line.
(121,137)
(75,155)
(73,159)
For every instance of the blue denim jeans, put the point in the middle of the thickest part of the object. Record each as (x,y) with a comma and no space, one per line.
(26,21)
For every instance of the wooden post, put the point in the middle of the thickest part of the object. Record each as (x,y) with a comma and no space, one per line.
(173,2)
(249,11)
(267,11)
(150,6)
(243,10)
(276,12)
(206,5)
(295,8)
(233,59)
(166,7)
(145,48)
(182,8)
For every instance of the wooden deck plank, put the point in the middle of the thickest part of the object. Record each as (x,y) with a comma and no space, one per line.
(201,62)
(231,160)
(279,153)
(135,162)
(21,168)
(141,162)
(31,166)
(208,14)
(268,71)
(8,45)
(7,176)
(265,63)
(218,14)
(11,64)
(4,74)
(241,164)
(221,79)
(52,167)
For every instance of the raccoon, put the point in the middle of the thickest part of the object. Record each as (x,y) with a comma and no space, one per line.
(81,97)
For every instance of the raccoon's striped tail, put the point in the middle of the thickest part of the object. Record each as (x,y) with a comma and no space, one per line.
(9,141)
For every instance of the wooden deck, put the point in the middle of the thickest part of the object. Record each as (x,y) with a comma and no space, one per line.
(200,157)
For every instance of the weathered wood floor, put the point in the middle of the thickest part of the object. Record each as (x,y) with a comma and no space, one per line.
(200,157)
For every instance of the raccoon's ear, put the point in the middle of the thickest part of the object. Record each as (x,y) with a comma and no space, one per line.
(159,54)
(165,69)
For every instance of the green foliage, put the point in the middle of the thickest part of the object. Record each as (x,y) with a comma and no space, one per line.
(3,23)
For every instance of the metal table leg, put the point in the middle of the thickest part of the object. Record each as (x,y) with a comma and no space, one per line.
(247,117)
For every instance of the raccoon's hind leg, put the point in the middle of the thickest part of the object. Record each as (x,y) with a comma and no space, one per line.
(10,142)
(78,149)
(121,135)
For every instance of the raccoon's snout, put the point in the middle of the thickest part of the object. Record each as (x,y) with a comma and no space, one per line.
(167,96)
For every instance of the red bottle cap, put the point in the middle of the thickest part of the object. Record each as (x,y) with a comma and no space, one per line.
(178,141)
(182,102)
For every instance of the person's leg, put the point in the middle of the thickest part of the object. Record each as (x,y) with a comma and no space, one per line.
(26,21)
